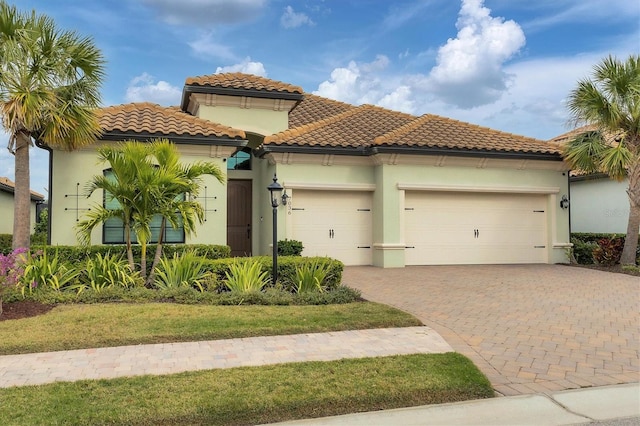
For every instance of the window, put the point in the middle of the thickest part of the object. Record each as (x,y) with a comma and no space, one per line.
(241,160)
(113,229)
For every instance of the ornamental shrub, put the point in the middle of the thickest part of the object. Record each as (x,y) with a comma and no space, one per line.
(608,251)
(290,248)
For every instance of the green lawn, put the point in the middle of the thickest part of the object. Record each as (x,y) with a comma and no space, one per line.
(99,325)
(250,395)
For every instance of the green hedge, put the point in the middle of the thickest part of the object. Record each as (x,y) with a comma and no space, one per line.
(286,269)
(6,241)
(189,295)
(74,254)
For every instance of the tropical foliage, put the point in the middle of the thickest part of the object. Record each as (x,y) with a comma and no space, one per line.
(184,270)
(246,276)
(147,180)
(609,104)
(49,89)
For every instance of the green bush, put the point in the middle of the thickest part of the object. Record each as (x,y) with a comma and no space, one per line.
(287,266)
(184,270)
(42,270)
(583,251)
(246,276)
(6,241)
(592,239)
(100,272)
(311,277)
(290,248)
(190,295)
(74,254)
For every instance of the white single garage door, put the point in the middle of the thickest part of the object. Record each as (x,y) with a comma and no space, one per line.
(337,224)
(443,228)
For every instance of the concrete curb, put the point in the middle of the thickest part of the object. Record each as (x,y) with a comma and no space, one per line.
(572,407)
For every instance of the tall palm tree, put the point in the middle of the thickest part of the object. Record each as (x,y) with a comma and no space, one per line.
(610,104)
(49,87)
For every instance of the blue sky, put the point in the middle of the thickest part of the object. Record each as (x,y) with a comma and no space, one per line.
(506,64)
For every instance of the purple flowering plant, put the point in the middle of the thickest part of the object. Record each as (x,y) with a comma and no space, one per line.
(11,270)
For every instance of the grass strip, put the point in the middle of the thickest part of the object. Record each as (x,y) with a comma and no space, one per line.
(251,395)
(101,325)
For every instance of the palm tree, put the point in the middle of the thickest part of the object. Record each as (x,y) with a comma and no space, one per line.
(179,185)
(128,188)
(610,104)
(147,181)
(49,88)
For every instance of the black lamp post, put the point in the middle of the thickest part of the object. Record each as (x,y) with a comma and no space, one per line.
(274,190)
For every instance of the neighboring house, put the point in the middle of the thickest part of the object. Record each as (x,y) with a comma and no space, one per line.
(7,188)
(366,185)
(598,203)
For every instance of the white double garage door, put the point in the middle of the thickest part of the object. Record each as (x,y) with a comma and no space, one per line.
(440,228)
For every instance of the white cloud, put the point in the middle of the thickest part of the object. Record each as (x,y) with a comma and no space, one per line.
(144,88)
(293,19)
(358,83)
(207,13)
(247,66)
(205,46)
(398,100)
(469,70)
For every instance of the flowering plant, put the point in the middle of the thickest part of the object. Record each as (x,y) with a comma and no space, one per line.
(11,270)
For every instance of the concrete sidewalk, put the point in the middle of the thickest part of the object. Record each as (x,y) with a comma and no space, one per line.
(171,358)
(581,406)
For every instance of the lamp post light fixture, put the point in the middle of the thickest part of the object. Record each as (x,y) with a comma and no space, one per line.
(274,191)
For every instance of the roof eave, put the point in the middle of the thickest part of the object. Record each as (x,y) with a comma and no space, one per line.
(178,139)
(417,150)
(265,149)
(230,91)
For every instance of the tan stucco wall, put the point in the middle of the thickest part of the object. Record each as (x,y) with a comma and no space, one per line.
(261,121)
(6,213)
(599,205)
(71,168)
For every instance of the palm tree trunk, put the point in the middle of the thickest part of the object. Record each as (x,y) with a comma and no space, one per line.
(156,258)
(143,260)
(633,227)
(127,240)
(22,194)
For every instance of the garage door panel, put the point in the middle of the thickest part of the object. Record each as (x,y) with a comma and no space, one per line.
(334,223)
(459,228)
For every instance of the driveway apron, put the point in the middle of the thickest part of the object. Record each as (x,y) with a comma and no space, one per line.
(529,328)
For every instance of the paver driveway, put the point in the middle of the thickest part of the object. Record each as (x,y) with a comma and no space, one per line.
(529,328)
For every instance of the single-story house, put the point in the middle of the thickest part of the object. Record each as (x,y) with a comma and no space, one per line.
(599,204)
(364,184)
(7,188)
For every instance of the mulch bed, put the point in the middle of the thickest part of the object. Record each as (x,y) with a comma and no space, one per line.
(23,309)
(615,269)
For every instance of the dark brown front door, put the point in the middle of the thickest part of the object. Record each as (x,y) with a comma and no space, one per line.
(239,217)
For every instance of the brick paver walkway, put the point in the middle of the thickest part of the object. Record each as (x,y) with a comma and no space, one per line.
(169,358)
(529,328)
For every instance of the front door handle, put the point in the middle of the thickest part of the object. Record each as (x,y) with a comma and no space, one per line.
(249,231)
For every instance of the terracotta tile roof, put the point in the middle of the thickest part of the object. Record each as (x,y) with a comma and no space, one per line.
(242,81)
(432,131)
(566,137)
(148,118)
(7,185)
(353,128)
(314,108)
